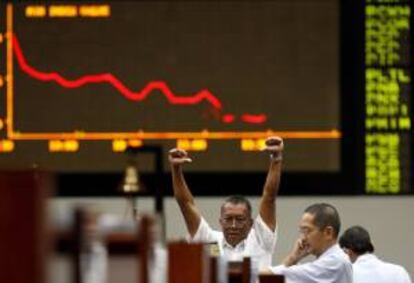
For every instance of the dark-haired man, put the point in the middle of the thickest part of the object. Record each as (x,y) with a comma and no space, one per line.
(241,236)
(319,228)
(356,242)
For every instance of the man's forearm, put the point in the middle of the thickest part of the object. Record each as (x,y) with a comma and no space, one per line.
(185,200)
(290,260)
(181,191)
(270,190)
(272,182)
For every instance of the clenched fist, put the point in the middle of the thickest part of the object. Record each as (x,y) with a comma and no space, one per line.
(178,156)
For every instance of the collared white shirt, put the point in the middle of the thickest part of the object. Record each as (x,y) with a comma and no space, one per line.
(333,266)
(259,245)
(369,269)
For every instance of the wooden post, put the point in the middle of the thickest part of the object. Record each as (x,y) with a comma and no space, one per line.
(271,278)
(78,244)
(23,235)
(239,272)
(145,246)
(188,263)
(214,269)
(246,270)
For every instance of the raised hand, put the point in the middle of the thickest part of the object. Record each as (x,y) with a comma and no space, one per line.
(178,156)
(274,146)
(300,250)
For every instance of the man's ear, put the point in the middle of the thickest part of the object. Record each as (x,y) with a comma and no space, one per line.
(329,231)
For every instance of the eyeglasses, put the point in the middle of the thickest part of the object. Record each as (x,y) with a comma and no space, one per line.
(237,222)
(305,231)
(308,230)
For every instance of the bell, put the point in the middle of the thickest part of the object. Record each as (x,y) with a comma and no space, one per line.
(131,181)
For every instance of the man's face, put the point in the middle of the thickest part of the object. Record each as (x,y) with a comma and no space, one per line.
(314,238)
(236,222)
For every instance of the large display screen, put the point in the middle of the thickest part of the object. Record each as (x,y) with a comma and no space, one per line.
(87,79)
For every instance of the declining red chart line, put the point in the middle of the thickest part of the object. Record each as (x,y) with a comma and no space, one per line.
(199,97)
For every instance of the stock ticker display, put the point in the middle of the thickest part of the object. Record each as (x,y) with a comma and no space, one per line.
(388,96)
(84,81)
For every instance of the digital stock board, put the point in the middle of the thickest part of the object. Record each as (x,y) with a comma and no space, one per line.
(388,91)
(84,81)
(377,73)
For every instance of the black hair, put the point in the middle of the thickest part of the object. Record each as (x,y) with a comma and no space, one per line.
(238,199)
(325,215)
(357,239)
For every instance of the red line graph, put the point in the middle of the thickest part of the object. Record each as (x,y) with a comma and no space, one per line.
(253,119)
(199,97)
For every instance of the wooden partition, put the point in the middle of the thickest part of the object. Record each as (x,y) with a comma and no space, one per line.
(271,278)
(138,244)
(188,263)
(23,234)
(240,272)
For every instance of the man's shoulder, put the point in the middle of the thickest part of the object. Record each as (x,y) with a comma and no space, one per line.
(379,264)
(206,234)
(398,269)
(260,226)
(338,256)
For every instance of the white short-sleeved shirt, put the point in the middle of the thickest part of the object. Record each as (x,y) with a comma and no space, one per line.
(333,266)
(259,245)
(369,269)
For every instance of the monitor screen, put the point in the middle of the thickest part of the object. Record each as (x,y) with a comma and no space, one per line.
(215,77)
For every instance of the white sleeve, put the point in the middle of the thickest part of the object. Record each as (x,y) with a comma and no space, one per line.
(204,234)
(265,237)
(405,277)
(312,272)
